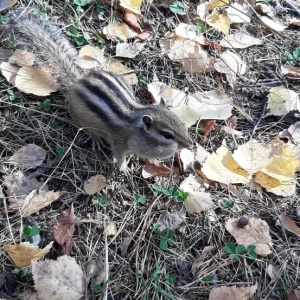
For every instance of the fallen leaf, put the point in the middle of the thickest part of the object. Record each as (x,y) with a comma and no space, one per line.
(240,41)
(94,184)
(219,21)
(215,170)
(10,72)
(132,5)
(290,71)
(210,5)
(197,202)
(129,50)
(29,156)
(272,24)
(132,20)
(289,225)
(252,156)
(63,230)
(22,58)
(111,229)
(37,200)
(117,67)
(18,186)
(294,295)
(95,270)
(23,254)
(199,260)
(232,292)
(232,65)
(187,158)
(273,272)
(124,245)
(281,101)
(7,4)
(116,31)
(153,168)
(39,82)
(62,279)
(170,220)
(187,31)
(255,233)
(240,12)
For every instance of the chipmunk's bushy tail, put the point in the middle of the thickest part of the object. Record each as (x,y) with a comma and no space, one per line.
(36,33)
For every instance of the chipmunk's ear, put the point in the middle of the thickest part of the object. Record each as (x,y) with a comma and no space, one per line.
(147,122)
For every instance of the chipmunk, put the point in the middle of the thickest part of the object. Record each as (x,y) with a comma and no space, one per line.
(100,101)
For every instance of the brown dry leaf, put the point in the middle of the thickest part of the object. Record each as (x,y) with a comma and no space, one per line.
(290,71)
(215,170)
(94,184)
(273,272)
(289,225)
(143,35)
(240,12)
(117,67)
(29,156)
(94,269)
(132,5)
(187,157)
(62,279)
(22,58)
(272,24)
(232,292)
(219,21)
(232,65)
(88,50)
(281,101)
(240,41)
(124,245)
(129,50)
(187,31)
(18,186)
(22,254)
(199,260)
(255,233)
(294,295)
(153,168)
(111,229)
(7,4)
(197,202)
(37,200)
(252,156)
(132,20)
(36,81)
(10,72)
(210,5)
(63,230)
(197,62)
(170,220)
(116,31)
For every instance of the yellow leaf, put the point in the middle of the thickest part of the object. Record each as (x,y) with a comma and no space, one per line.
(132,5)
(23,253)
(219,22)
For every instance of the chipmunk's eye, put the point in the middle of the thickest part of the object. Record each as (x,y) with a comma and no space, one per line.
(167,135)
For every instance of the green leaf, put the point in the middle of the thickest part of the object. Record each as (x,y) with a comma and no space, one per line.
(3,19)
(163,245)
(2,280)
(95,201)
(251,248)
(73,32)
(230,248)
(252,255)
(233,256)
(142,78)
(100,200)
(86,36)
(169,233)
(61,152)
(240,249)
(45,106)
(80,40)
(177,7)
(290,57)
(97,288)
(227,203)
(139,199)
(296,53)
(208,278)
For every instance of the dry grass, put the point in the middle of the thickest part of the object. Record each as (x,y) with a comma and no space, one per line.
(131,276)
